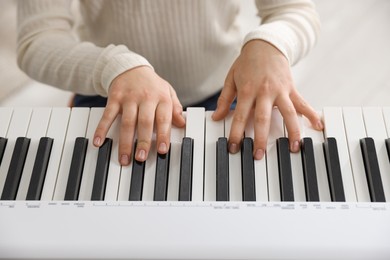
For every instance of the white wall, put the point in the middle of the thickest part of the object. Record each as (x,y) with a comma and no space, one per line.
(350,66)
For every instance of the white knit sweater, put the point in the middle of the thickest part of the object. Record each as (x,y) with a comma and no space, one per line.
(189,43)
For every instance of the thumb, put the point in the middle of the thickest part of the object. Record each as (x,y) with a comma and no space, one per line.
(177,110)
(226,97)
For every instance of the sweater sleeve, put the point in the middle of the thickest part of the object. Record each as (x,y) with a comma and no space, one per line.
(291,26)
(49,52)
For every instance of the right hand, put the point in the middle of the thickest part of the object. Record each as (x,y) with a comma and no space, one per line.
(261,78)
(143,98)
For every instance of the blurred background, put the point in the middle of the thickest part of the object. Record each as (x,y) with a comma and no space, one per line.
(350,65)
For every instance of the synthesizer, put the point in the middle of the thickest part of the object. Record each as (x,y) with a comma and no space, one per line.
(63,198)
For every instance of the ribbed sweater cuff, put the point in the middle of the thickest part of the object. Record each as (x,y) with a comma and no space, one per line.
(279,35)
(111,66)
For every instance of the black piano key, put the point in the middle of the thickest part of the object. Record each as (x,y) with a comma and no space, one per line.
(76,169)
(309,170)
(334,170)
(39,169)
(371,166)
(3,144)
(185,183)
(248,170)
(388,147)
(222,171)
(15,169)
(101,172)
(162,174)
(137,179)
(285,172)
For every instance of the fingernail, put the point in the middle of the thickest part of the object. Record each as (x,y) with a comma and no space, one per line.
(295,146)
(125,159)
(213,114)
(233,148)
(320,125)
(97,141)
(141,155)
(259,154)
(162,148)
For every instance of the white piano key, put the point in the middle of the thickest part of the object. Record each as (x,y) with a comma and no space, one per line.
(334,127)
(195,129)
(297,170)
(214,130)
(322,176)
(386,117)
(261,182)
(150,172)
(125,179)
(57,129)
(235,174)
(5,117)
(376,128)
(38,127)
(124,183)
(126,175)
(91,157)
(17,128)
(354,127)
(276,131)
(77,127)
(114,170)
(177,135)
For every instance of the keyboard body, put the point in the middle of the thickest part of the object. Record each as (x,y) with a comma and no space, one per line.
(203,228)
(186,230)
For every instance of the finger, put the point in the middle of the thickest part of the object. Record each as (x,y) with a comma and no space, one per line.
(290,117)
(262,123)
(240,118)
(109,115)
(226,98)
(145,120)
(126,135)
(163,126)
(305,109)
(177,110)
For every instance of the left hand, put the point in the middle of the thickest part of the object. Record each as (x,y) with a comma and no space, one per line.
(261,78)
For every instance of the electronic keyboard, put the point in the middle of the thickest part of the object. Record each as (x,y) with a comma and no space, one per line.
(63,198)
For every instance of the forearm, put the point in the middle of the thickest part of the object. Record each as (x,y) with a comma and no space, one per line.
(49,52)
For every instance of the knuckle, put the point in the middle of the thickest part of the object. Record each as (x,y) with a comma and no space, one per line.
(222,100)
(266,88)
(127,123)
(146,94)
(163,118)
(235,137)
(177,109)
(145,121)
(143,144)
(239,118)
(125,148)
(162,136)
(300,102)
(246,91)
(100,130)
(260,142)
(109,114)
(165,98)
(290,111)
(115,94)
(294,133)
(261,118)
